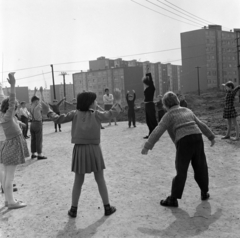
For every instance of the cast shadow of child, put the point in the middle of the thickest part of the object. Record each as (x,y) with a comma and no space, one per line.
(70,229)
(186,226)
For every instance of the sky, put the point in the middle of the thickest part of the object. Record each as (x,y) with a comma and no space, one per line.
(69,33)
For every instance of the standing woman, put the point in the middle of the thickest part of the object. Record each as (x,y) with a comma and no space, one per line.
(149,90)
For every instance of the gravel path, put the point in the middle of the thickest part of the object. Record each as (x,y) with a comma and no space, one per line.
(136,183)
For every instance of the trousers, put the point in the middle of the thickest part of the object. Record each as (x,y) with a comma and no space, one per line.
(190,149)
(36,136)
(131,116)
(150,116)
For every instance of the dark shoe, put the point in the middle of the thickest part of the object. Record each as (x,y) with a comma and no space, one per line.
(225,137)
(134,126)
(33,156)
(42,157)
(55,130)
(205,196)
(102,127)
(169,202)
(14,189)
(145,137)
(110,210)
(59,130)
(72,212)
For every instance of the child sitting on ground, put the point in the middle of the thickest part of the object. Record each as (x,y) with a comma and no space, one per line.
(185,130)
(87,154)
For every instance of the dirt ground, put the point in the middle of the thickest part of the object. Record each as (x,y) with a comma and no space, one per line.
(136,183)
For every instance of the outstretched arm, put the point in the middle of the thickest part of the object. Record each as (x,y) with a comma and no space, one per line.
(61,102)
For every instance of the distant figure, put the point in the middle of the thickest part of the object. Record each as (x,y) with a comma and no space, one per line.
(229,112)
(183,102)
(24,117)
(185,130)
(160,109)
(36,126)
(130,98)
(108,103)
(55,107)
(149,90)
(87,154)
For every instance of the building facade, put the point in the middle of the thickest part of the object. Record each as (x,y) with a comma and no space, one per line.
(214,52)
(59,91)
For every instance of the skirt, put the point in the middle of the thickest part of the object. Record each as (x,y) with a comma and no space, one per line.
(87,159)
(14,151)
(229,112)
(107,107)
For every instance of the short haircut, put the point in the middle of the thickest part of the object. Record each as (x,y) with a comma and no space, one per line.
(230,84)
(170,99)
(106,89)
(85,100)
(23,102)
(34,98)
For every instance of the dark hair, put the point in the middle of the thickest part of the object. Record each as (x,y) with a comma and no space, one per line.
(85,100)
(147,79)
(34,98)
(106,89)
(5,105)
(170,99)
(23,102)
(230,84)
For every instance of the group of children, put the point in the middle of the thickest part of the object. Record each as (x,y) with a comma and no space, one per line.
(183,126)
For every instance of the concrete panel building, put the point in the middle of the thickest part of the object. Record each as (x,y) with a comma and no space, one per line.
(59,89)
(21,93)
(215,53)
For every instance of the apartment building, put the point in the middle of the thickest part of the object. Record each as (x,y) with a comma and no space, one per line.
(215,53)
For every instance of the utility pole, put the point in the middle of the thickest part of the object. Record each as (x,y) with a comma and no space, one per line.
(64,87)
(198,79)
(54,92)
(238,57)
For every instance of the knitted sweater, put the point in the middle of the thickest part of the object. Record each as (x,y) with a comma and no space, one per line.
(8,120)
(179,122)
(86,126)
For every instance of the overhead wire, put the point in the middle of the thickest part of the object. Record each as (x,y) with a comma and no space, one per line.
(163,14)
(203,21)
(173,12)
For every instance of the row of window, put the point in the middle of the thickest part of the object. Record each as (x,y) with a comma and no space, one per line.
(214,72)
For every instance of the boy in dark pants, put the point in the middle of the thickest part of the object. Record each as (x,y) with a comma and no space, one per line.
(185,130)
(131,113)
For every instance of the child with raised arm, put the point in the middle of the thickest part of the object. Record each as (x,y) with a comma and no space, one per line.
(87,154)
(55,107)
(130,98)
(185,130)
(229,112)
(14,149)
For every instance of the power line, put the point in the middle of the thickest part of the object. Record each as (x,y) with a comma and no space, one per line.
(193,14)
(173,12)
(163,14)
(205,22)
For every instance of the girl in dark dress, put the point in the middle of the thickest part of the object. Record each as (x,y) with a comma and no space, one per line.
(149,90)
(229,112)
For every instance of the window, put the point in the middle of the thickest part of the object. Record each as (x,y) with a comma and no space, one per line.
(230,65)
(209,73)
(233,58)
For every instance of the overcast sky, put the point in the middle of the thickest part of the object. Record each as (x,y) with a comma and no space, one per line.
(43,32)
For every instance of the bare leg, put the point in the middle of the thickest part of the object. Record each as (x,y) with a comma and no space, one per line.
(77,187)
(227,136)
(9,171)
(2,176)
(115,119)
(235,123)
(99,177)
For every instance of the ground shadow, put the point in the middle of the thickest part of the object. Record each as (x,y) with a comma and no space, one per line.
(186,226)
(70,229)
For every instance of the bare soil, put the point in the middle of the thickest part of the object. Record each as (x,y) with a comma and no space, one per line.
(136,184)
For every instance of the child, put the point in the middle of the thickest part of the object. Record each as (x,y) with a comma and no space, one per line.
(24,116)
(229,112)
(55,108)
(185,130)
(36,127)
(131,113)
(183,102)
(87,155)
(14,149)
(160,109)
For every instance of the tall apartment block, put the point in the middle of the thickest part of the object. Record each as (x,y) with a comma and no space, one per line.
(215,53)
(126,75)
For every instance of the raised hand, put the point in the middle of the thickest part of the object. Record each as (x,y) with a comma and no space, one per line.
(11,79)
(41,90)
(133,91)
(144,151)
(35,90)
(212,142)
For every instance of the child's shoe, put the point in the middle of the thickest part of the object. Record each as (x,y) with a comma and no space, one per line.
(205,196)
(169,202)
(109,210)
(72,212)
